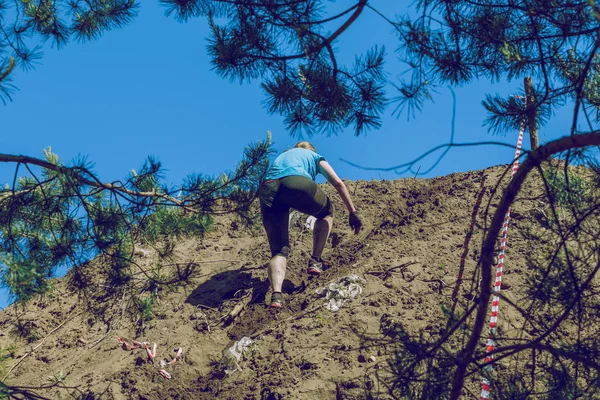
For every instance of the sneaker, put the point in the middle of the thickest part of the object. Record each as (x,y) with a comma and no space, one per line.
(276,300)
(315,266)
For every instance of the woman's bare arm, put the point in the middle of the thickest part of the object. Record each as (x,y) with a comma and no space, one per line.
(331,176)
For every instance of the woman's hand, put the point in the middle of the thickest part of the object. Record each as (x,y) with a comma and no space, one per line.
(355,222)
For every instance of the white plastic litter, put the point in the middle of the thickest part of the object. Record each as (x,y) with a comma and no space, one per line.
(310,222)
(294,216)
(141,252)
(338,293)
(232,355)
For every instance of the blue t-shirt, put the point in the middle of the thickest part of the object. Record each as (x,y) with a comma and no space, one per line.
(296,161)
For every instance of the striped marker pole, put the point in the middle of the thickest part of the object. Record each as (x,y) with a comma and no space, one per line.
(491,344)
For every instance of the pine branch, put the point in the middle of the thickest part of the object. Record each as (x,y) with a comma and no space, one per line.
(80,173)
(69,215)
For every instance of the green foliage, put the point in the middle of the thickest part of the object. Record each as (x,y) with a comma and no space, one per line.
(562,385)
(418,374)
(65,216)
(459,42)
(6,353)
(24,277)
(27,329)
(419,371)
(553,286)
(159,280)
(509,387)
(118,263)
(289,46)
(559,298)
(6,87)
(169,222)
(22,22)
(146,307)
(57,378)
(451,316)
(569,189)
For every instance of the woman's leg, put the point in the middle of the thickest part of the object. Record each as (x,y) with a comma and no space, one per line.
(275,221)
(276,272)
(321,233)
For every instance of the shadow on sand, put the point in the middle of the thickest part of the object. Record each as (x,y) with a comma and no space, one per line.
(229,285)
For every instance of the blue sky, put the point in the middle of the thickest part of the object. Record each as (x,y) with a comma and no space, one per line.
(148,89)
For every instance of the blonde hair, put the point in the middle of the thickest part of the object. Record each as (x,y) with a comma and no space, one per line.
(305,145)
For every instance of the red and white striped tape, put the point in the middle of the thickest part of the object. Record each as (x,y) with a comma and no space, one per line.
(491,344)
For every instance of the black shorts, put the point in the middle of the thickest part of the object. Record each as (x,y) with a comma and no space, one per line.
(276,199)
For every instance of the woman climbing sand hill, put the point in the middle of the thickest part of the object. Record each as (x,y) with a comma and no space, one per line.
(290,183)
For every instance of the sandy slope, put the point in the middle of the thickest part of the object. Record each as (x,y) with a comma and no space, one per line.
(299,352)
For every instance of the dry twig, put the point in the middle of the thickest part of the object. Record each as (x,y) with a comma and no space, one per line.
(441,284)
(101,339)
(205,320)
(239,307)
(384,275)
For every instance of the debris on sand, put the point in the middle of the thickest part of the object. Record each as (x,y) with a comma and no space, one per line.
(151,353)
(231,356)
(164,362)
(165,374)
(338,293)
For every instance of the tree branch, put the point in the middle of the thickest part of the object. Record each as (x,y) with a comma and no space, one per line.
(77,173)
(487,254)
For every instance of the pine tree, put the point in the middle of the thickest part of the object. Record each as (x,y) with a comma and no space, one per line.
(285,45)
(25,22)
(441,42)
(460,42)
(556,43)
(289,46)
(55,215)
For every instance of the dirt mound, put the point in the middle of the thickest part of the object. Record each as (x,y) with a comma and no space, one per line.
(416,258)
